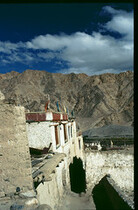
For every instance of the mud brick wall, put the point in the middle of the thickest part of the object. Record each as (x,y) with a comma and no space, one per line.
(15,162)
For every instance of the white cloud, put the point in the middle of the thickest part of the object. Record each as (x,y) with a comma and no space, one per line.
(82,52)
(112,11)
(50,42)
(97,52)
(8,47)
(48,56)
(20,57)
(121,22)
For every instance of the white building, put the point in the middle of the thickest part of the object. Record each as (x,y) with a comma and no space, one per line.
(55,128)
(44,129)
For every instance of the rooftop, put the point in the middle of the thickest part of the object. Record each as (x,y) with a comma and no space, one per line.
(45,165)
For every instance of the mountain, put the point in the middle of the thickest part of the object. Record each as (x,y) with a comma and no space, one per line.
(97,100)
(110,131)
(106,99)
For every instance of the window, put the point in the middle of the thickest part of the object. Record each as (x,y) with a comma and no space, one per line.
(65,133)
(56,135)
(71,132)
(79,144)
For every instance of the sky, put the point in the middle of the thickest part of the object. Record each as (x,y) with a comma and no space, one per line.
(90,38)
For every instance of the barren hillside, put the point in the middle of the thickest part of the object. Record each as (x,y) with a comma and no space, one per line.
(97,100)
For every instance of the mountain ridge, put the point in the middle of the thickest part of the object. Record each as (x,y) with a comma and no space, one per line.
(97,100)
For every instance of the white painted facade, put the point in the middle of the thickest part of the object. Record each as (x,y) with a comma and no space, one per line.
(41,134)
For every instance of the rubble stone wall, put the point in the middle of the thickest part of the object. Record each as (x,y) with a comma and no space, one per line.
(15,163)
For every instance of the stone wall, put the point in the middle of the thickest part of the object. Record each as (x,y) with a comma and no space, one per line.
(15,163)
(119,164)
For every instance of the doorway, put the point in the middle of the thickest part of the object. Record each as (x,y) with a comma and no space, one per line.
(77,176)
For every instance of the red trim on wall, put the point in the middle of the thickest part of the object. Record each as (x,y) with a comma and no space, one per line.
(42,117)
(65,117)
(35,117)
(56,116)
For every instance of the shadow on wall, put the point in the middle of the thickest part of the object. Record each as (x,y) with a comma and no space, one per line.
(106,198)
(77,176)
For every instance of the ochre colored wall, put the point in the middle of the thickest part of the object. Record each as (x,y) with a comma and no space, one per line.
(15,163)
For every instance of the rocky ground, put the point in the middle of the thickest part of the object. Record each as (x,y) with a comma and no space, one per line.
(73,201)
(17,203)
(70,201)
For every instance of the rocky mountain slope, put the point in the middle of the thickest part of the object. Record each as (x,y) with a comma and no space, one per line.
(110,130)
(97,100)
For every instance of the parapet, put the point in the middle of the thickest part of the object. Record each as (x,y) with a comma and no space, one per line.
(45,116)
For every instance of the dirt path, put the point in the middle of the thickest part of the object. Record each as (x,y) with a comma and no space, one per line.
(72,201)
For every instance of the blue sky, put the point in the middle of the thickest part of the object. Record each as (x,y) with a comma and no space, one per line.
(81,38)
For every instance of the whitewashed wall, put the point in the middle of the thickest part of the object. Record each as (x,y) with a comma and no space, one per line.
(51,192)
(116,163)
(79,147)
(39,134)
